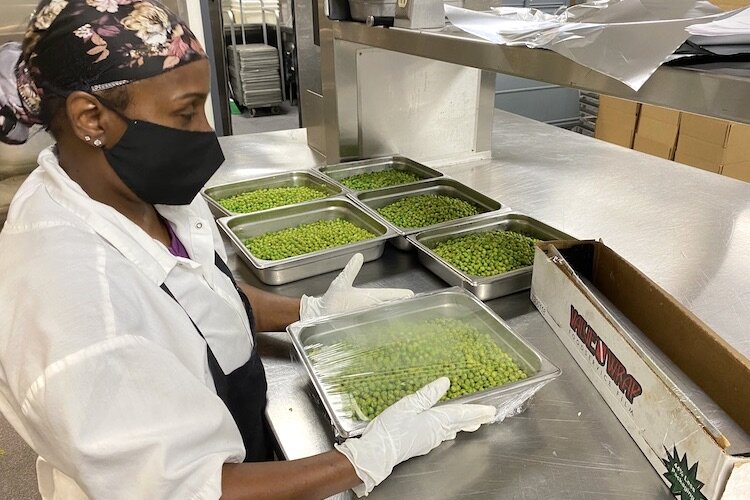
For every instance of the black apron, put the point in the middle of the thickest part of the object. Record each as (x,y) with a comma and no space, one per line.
(244,390)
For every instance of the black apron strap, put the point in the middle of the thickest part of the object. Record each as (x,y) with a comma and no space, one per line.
(244,390)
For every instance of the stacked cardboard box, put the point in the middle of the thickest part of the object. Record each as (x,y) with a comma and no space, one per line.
(719,146)
(715,145)
(617,120)
(657,130)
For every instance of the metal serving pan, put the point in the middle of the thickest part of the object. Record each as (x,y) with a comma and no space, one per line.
(278,272)
(341,171)
(486,288)
(456,303)
(379,198)
(297,178)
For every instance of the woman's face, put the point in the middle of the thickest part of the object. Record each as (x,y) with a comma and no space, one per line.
(174,99)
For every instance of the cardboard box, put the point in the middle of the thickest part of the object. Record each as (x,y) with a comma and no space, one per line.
(731,4)
(690,454)
(616,120)
(715,145)
(657,131)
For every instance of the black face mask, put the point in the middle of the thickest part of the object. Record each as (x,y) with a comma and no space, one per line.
(164,165)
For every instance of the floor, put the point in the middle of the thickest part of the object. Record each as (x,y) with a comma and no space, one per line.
(266,122)
(16,466)
(17,471)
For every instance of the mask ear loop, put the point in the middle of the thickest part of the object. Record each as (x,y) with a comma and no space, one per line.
(111,107)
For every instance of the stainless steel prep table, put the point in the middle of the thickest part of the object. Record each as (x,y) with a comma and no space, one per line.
(686,229)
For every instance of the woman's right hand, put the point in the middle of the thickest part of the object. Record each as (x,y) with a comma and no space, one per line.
(410,428)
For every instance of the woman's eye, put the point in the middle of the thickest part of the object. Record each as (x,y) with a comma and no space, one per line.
(187,115)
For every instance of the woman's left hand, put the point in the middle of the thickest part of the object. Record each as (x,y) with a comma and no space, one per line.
(343,297)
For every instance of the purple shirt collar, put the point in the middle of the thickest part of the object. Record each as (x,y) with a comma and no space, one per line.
(176,247)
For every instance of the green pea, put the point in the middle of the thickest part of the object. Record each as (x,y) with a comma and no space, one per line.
(426,210)
(306,238)
(501,251)
(381,179)
(403,357)
(263,199)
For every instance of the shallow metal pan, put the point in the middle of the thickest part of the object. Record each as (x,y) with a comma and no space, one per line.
(486,288)
(296,178)
(453,303)
(277,272)
(341,171)
(379,198)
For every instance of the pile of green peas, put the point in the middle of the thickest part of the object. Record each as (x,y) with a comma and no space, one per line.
(407,357)
(377,180)
(306,238)
(488,253)
(263,199)
(426,210)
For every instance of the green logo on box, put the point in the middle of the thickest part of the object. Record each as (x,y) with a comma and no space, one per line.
(683,481)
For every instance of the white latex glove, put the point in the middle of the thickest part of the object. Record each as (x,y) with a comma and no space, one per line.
(410,428)
(343,297)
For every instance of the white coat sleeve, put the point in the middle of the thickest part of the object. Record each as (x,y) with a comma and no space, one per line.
(126,420)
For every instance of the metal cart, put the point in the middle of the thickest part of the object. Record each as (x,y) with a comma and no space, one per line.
(256,70)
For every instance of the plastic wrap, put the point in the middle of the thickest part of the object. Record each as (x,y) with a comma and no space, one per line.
(705,409)
(363,362)
(624,39)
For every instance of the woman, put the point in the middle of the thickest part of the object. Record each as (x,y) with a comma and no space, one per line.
(127,352)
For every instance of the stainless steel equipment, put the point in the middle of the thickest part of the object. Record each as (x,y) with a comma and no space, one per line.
(362,9)
(287,179)
(277,272)
(420,14)
(486,288)
(441,186)
(341,171)
(454,303)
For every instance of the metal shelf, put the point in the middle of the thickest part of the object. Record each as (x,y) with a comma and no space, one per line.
(722,92)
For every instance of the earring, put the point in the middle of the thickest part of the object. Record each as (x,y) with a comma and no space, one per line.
(87,138)
(98,143)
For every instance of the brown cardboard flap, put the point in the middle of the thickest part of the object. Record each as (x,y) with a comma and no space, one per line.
(617,120)
(731,4)
(617,130)
(720,370)
(709,130)
(701,149)
(663,115)
(607,103)
(738,144)
(693,161)
(652,147)
(739,171)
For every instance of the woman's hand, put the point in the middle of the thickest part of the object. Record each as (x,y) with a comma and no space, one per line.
(410,428)
(343,297)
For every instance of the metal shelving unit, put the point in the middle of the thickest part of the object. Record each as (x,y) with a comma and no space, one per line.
(721,92)
(256,70)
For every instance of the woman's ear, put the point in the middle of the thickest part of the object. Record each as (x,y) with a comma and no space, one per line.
(91,121)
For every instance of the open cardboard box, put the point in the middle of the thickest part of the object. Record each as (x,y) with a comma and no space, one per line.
(693,456)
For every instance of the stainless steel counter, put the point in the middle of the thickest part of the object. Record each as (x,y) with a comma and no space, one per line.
(685,228)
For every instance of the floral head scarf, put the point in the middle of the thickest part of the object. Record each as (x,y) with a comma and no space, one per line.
(90,45)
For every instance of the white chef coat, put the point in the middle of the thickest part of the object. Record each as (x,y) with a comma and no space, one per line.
(101,372)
